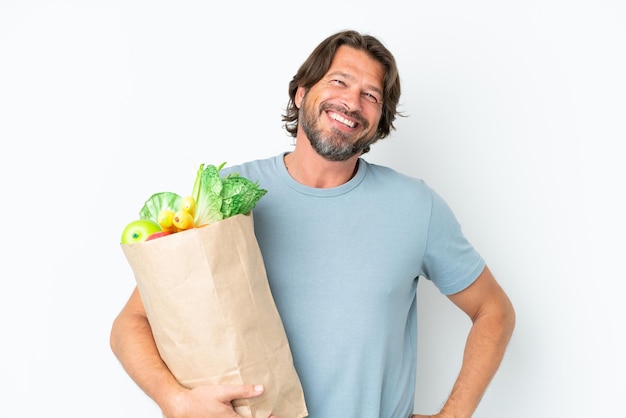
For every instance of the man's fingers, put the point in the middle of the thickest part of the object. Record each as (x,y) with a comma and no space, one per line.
(232,392)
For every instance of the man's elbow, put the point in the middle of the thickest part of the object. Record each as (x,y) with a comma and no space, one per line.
(507,317)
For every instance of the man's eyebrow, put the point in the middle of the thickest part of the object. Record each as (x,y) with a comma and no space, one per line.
(340,73)
(351,78)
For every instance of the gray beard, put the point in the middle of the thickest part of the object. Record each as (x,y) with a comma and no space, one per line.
(336,146)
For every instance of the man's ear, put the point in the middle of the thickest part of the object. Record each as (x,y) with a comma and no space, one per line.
(299,96)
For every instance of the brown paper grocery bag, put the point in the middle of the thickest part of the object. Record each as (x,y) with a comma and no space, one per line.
(213,317)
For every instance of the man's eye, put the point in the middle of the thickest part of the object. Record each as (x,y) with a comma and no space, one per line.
(338,82)
(370,98)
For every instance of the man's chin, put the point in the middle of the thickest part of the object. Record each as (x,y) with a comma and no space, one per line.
(337,156)
(337,149)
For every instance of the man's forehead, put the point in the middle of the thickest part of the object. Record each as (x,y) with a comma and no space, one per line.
(352,63)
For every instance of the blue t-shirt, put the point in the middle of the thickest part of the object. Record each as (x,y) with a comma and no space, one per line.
(343,265)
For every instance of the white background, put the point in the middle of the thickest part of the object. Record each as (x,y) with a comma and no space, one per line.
(515,115)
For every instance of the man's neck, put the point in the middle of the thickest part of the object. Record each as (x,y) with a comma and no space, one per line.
(307,167)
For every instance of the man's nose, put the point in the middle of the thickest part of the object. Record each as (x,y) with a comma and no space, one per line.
(351,99)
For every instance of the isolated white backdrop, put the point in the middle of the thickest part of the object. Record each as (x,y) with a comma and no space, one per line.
(515,115)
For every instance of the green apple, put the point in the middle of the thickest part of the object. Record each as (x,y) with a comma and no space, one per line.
(139,230)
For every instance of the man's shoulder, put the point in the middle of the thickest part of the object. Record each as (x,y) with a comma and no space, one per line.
(253,167)
(395,178)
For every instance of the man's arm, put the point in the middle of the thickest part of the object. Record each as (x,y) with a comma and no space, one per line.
(133,344)
(493,321)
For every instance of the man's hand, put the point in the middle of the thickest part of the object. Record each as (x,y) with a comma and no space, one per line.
(211,401)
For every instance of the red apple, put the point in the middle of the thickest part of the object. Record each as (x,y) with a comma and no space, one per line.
(158,234)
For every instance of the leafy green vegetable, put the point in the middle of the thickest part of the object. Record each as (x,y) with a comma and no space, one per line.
(196,183)
(215,197)
(220,198)
(239,195)
(209,200)
(158,202)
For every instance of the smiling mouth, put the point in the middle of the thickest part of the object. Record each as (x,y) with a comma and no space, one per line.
(339,118)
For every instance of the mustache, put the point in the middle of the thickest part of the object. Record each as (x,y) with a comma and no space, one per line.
(340,109)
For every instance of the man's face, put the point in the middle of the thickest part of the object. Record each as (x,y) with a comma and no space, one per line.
(340,113)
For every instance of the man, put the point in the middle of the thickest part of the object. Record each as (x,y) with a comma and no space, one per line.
(344,243)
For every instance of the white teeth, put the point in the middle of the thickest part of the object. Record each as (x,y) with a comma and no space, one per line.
(343,120)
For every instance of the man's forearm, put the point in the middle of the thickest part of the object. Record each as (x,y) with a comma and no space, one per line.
(484,351)
(133,344)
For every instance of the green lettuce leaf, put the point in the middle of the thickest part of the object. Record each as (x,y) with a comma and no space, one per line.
(219,197)
(209,200)
(239,195)
(157,202)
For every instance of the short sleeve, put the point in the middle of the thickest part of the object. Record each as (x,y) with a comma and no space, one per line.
(450,261)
